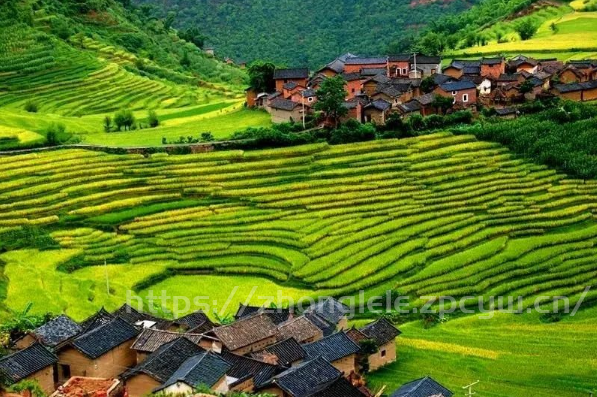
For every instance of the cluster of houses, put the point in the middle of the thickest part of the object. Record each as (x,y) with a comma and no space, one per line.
(270,351)
(409,84)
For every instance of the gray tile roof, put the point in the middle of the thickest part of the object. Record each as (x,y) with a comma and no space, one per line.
(287,352)
(246,331)
(284,104)
(104,338)
(307,378)
(508,77)
(573,87)
(203,369)
(152,339)
(245,367)
(458,86)
(338,388)
(299,328)
(18,366)
(428,60)
(381,331)
(330,309)
(400,58)
(332,348)
(163,363)
(321,323)
(134,317)
(277,315)
(57,331)
(97,319)
(380,105)
(374,71)
(424,387)
(366,60)
(196,322)
(296,73)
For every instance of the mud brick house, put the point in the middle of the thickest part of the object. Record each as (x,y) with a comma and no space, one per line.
(459,68)
(315,378)
(205,369)
(327,327)
(247,334)
(277,315)
(551,66)
(355,109)
(463,92)
(377,112)
(285,110)
(308,97)
(409,109)
(301,329)
(101,352)
(159,366)
(424,387)
(369,86)
(287,353)
(33,363)
(571,75)
(247,374)
(492,68)
(194,323)
(337,66)
(587,67)
(52,334)
(337,349)
(384,334)
(523,63)
(298,76)
(150,340)
(360,64)
(399,65)
(354,83)
(506,79)
(394,93)
(581,92)
(332,311)
(426,104)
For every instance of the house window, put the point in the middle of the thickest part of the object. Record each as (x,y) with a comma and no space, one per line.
(383,353)
(353,90)
(465,98)
(454,93)
(310,99)
(405,71)
(65,371)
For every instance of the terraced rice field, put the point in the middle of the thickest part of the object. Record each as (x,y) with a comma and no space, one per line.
(434,215)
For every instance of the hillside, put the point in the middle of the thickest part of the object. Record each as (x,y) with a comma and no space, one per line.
(434,215)
(306,33)
(72,63)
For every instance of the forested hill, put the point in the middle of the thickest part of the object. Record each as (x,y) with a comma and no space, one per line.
(305,32)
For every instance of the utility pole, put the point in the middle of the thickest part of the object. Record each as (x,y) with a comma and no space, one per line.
(107,278)
(470,392)
(416,72)
(303,102)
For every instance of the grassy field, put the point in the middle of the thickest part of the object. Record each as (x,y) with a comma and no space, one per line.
(574,36)
(434,215)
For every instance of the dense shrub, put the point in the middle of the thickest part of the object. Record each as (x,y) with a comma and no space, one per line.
(31,107)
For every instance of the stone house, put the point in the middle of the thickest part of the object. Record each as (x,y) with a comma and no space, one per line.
(298,76)
(159,366)
(35,362)
(337,349)
(248,334)
(101,352)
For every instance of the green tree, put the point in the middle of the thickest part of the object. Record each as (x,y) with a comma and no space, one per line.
(107,124)
(442,104)
(432,44)
(428,84)
(193,35)
(124,119)
(152,119)
(330,98)
(526,87)
(185,60)
(261,76)
(527,29)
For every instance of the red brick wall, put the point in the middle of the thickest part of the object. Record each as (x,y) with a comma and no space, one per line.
(280,83)
(493,71)
(472,96)
(396,69)
(353,88)
(357,68)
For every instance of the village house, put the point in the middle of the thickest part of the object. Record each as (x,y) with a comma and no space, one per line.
(424,66)
(205,369)
(492,68)
(336,67)
(332,311)
(399,65)
(309,379)
(459,68)
(424,387)
(463,92)
(102,352)
(248,334)
(384,334)
(300,329)
(523,63)
(159,366)
(194,323)
(286,353)
(307,97)
(337,349)
(101,317)
(277,315)
(394,93)
(377,112)
(506,79)
(588,67)
(426,104)
(360,64)
(52,334)
(248,374)
(355,109)
(369,86)
(298,76)
(285,111)
(354,84)
(580,92)
(35,362)
(409,109)
(150,340)
(571,75)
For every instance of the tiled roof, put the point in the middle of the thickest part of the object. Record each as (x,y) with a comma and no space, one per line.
(203,369)
(373,71)
(573,87)
(245,367)
(424,387)
(355,335)
(284,104)
(458,86)
(330,309)
(426,60)
(509,77)
(307,378)
(332,348)
(492,61)
(506,111)
(277,315)
(400,58)
(196,322)
(57,331)
(97,319)
(246,331)
(426,99)
(152,339)
(380,105)
(104,338)
(409,107)
(338,388)
(290,86)
(381,331)
(297,73)
(18,366)
(287,352)
(352,76)
(321,323)
(162,363)
(392,90)
(366,61)
(439,78)
(136,317)
(308,93)
(472,70)
(299,328)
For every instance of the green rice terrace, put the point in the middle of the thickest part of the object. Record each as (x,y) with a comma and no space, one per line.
(433,215)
